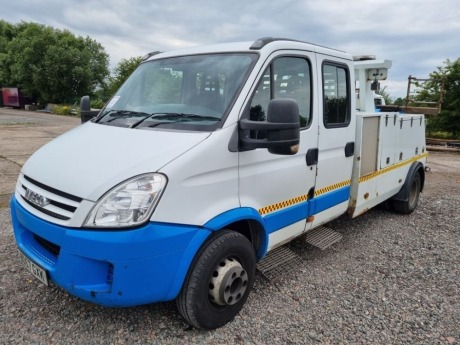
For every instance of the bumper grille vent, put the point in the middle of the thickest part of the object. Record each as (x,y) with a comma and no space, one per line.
(47,245)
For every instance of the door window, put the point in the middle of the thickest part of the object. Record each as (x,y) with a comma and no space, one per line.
(336,96)
(286,77)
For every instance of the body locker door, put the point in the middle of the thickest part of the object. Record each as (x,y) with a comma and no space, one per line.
(278,186)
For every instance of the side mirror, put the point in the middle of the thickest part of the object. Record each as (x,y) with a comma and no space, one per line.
(86,113)
(282,128)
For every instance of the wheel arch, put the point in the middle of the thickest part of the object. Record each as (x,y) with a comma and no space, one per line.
(415,168)
(246,221)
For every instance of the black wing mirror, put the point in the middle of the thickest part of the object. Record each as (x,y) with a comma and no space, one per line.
(282,129)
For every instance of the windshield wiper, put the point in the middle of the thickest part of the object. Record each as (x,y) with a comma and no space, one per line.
(156,116)
(183,116)
(119,114)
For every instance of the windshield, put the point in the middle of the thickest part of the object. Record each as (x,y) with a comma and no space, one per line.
(188,92)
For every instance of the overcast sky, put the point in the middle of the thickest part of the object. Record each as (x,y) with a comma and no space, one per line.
(417,35)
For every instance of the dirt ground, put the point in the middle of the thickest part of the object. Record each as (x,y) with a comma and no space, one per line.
(392,279)
(21,134)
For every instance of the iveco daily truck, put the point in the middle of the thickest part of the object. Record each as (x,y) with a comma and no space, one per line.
(203,162)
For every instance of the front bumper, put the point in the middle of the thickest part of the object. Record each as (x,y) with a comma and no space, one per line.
(110,267)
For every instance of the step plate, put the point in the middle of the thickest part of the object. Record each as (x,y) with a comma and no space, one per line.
(278,263)
(322,237)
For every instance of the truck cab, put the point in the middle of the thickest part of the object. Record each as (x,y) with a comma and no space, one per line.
(202,163)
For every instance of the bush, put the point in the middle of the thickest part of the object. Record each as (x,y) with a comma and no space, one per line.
(440,135)
(60,109)
(97,103)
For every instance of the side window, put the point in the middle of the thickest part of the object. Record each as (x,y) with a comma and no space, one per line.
(286,77)
(336,96)
(260,99)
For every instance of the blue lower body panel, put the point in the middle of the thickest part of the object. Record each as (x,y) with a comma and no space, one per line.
(110,267)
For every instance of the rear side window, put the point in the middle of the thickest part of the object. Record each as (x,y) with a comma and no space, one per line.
(336,96)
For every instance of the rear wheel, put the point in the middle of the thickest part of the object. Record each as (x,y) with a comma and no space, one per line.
(409,205)
(219,282)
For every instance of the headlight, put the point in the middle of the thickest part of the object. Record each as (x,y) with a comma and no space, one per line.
(128,204)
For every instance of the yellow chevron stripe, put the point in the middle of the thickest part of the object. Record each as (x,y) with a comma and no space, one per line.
(390,168)
(283,204)
(332,187)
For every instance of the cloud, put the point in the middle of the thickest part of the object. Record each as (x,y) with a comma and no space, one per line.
(418,35)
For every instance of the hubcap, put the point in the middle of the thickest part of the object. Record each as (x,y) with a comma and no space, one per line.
(228,283)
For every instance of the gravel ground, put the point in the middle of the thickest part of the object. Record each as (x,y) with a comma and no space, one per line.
(392,279)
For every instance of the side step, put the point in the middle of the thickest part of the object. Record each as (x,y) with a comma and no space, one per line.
(322,237)
(278,263)
(283,260)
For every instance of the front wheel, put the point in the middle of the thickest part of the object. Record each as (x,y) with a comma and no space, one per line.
(219,281)
(408,206)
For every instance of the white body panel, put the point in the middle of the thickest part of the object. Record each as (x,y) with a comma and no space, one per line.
(90,159)
(400,141)
(202,184)
(278,238)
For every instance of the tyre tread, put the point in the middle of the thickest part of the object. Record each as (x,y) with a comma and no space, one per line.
(186,299)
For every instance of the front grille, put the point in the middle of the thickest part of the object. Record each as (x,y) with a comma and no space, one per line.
(47,245)
(59,205)
(45,211)
(53,190)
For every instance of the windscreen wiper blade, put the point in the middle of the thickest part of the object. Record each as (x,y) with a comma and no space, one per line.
(120,114)
(165,116)
(183,115)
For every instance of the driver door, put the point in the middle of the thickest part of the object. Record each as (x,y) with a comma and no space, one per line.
(279,186)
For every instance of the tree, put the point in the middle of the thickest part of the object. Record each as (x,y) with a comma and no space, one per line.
(385,94)
(7,33)
(449,118)
(400,101)
(52,65)
(123,70)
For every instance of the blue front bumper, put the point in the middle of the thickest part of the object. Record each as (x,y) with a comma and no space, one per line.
(115,267)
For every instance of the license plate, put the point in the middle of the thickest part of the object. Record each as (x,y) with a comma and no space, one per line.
(33,268)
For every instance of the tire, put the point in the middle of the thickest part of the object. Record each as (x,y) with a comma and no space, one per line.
(219,281)
(408,206)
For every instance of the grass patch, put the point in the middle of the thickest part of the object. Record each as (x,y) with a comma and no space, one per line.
(17,123)
(441,135)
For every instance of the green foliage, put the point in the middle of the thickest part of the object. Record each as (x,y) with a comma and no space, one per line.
(449,119)
(7,32)
(400,101)
(60,109)
(123,70)
(385,94)
(97,103)
(48,64)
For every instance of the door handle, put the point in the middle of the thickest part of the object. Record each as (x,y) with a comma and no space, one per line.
(350,149)
(312,157)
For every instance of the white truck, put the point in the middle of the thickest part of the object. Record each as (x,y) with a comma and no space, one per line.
(203,162)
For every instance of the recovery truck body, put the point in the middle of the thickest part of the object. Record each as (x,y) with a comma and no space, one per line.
(202,163)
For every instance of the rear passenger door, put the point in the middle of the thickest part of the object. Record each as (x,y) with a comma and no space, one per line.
(336,138)
(278,186)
